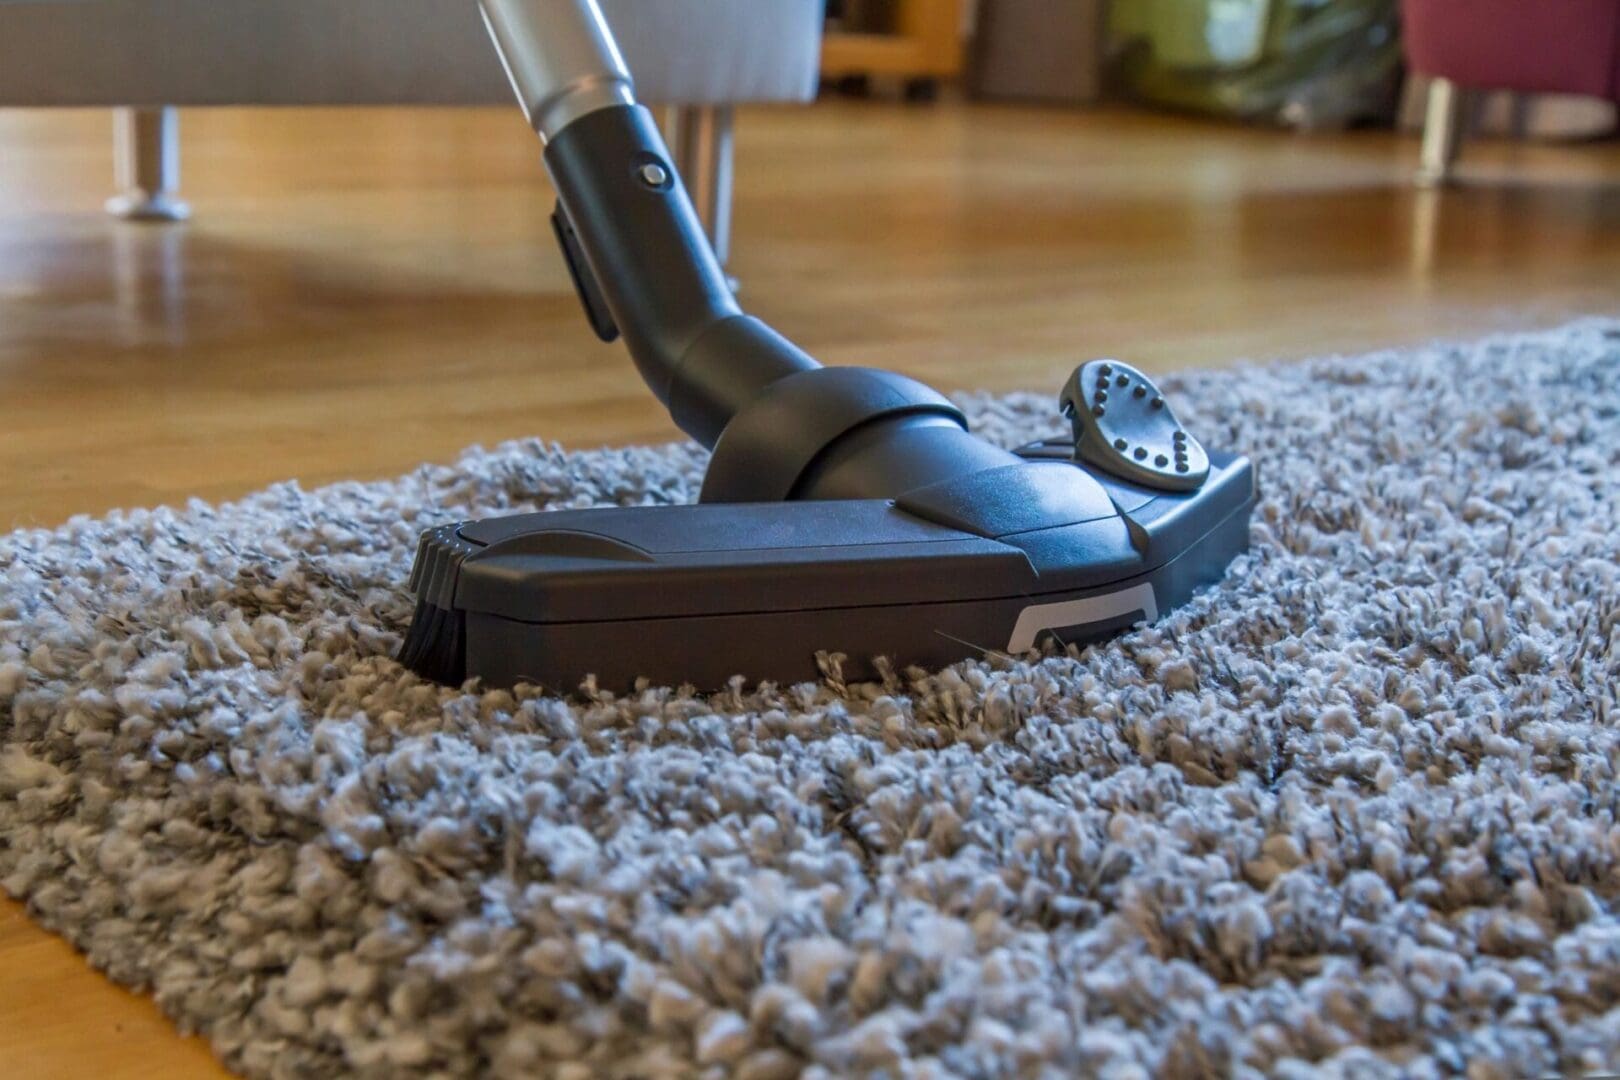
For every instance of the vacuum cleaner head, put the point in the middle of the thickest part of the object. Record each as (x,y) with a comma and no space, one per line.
(1072,541)
(844,509)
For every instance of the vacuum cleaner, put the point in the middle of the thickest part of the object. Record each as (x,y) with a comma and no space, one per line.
(845,510)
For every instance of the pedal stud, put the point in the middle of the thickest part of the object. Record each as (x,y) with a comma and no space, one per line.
(1140,452)
(1121,444)
(1161,461)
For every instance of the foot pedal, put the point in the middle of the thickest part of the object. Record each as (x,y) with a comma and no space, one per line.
(1124,426)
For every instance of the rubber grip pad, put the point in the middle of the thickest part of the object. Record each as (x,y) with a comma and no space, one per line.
(1124,426)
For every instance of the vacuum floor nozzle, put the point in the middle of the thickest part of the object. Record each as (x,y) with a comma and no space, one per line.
(992,562)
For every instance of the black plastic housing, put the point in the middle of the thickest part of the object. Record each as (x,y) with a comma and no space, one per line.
(697,594)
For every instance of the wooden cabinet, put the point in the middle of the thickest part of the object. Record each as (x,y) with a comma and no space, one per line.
(926,44)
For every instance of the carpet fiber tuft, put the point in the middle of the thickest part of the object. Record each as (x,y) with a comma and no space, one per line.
(1352,813)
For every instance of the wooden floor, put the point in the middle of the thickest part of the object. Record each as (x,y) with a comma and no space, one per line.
(362,291)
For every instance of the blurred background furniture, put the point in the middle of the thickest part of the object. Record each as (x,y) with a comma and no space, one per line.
(1302,64)
(920,41)
(146,57)
(1038,51)
(1546,46)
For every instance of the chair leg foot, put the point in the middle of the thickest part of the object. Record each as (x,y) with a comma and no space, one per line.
(1442,133)
(146,162)
(141,206)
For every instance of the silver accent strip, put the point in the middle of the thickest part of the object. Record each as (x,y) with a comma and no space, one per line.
(1036,618)
(561,59)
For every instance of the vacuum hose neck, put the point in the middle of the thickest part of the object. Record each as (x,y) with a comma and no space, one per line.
(645,268)
(780,424)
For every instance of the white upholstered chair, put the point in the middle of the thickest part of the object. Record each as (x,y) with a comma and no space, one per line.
(145,57)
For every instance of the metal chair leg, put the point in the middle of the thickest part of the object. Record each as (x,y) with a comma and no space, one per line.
(146,162)
(701,140)
(1442,132)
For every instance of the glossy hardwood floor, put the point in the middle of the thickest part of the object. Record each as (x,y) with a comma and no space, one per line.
(365,290)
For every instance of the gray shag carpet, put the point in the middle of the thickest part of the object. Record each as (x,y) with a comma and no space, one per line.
(1351,813)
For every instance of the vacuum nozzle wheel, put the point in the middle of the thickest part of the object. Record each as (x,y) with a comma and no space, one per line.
(1124,425)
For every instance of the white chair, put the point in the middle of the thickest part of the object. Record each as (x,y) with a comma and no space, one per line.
(146,57)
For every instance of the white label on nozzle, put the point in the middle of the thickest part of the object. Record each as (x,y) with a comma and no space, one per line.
(1093,609)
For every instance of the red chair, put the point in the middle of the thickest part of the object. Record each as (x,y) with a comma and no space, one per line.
(1530,46)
